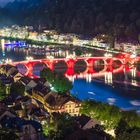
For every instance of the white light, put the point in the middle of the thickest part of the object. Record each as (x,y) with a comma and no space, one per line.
(70,56)
(133,55)
(29,58)
(50,57)
(108,55)
(8,61)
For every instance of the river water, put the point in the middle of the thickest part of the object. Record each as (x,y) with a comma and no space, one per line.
(121,89)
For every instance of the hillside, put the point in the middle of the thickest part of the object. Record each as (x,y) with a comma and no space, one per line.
(119,18)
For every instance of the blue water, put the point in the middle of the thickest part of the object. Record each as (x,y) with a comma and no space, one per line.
(105,93)
(124,96)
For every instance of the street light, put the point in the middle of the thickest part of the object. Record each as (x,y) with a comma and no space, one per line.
(29,58)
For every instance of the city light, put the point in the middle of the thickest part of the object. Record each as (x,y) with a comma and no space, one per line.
(7,61)
(108,55)
(50,57)
(134,55)
(29,58)
(70,69)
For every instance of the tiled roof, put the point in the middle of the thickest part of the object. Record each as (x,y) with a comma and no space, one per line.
(56,100)
(17,123)
(41,90)
(25,80)
(82,120)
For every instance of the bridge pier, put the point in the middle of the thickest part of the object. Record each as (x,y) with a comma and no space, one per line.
(70,63)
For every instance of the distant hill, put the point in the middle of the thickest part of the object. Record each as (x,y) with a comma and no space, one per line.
(119,18)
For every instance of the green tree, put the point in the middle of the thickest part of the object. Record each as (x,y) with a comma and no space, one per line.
(60,126)
(108,114)
(48,74)
(2,90)
(59,82)
(6,134)
(121,127)
(78,52)
(17,88)
(130,134)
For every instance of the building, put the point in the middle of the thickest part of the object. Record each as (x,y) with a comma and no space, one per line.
(16,76)
(54,102)
(7,81)
(40,92)
(71,106)
(86,122)
(27,82)
(8,69)
(25,129)
(128,47)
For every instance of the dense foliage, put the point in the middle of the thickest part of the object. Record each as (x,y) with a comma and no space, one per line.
(6,134)
(58,81)
(109,115)
(116,18)
(124,131)
(2,91)
(60,126)
(130,134)
(17,88)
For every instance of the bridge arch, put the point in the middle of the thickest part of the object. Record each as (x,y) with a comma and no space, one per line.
(23,69)
(117,63)
(60,66)
(80,66)
(99,65)
(38,67)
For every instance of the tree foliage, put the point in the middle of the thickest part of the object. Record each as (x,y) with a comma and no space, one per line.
(6,134)
(60,126)
(2,90)
(17,88)
(116,18)
(109,115)
(129,134)
(78,52)
(58,81)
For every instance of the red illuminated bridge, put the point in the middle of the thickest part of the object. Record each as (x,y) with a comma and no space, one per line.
(73,66)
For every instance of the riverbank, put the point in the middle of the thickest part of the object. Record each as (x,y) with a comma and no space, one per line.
(30,41)
(41,43)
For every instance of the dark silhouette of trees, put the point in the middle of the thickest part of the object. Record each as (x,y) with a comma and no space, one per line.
(17,88)
(114,18)
(2,91)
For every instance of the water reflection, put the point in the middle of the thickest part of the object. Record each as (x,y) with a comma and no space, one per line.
(108,78)
(119,87)
(3,47)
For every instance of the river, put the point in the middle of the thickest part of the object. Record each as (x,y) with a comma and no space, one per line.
(121,89)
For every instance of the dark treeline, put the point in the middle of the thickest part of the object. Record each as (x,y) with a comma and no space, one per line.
(116,18)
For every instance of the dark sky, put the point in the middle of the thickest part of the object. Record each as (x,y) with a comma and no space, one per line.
(3,2)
